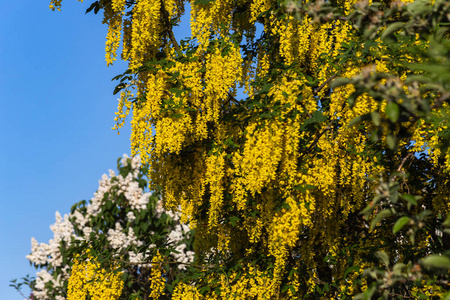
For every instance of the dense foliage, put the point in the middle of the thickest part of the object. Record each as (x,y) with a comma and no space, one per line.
(305,141)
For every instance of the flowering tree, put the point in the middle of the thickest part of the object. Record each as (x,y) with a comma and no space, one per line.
(114,245)
(277,122)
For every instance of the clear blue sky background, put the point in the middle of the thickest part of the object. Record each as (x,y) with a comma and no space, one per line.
(56,114)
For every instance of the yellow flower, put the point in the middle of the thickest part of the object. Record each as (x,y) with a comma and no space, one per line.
(88,279)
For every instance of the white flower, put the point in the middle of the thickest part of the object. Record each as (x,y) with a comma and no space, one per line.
(136,258)
(42,253)
(80,220)
(159,208)
(42,278)
(39,253)
(176,236)
(93,208)
(124,160)
(119,240)
(136,162)
(130,216)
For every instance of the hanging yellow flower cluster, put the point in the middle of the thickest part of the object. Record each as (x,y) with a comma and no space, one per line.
(156,278)
(56,4)
(185,292)
(88,280)
(113,18)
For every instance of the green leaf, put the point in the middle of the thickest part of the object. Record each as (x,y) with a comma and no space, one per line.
(397,269)
(339,82)
(205,289)
(359,119)
(349,270)
(319,117)
(176,116)
(447,296)
(118,88)
(391,29)
(375,118)
(285,205)
(234,220)
(96,9)
(384,258)
(93,5)
(304,187)
(447,221)
(379,217)
(359,296)
(391,141)
(392,111)
(374,136)
(437,261)
(411,200)
(400,223)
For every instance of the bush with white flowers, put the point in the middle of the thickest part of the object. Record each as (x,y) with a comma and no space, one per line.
(122,224)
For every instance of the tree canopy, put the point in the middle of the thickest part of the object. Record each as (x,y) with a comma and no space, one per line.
(303,141)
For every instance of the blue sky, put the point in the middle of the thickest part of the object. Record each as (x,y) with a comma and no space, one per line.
(56,112)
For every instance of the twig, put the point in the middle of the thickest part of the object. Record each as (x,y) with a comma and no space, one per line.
(318,89)
(20,292)
(316,140)
(321,133)
(402,296)
(403,161)
(158,262)
(399,169)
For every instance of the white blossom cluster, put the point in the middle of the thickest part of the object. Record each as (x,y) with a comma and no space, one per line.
(104,185)
(119,240)
(126,185)
(135,163)
(42,278)
(49,258)
(49,255)
(176,236)
(82,222)
(135,195)
(42,254)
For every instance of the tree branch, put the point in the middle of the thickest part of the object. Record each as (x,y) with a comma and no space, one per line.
(159,262)
(165,16)
(316,140)
(326,82)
